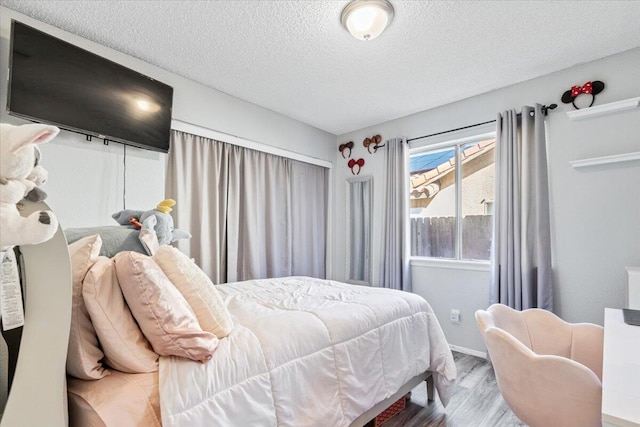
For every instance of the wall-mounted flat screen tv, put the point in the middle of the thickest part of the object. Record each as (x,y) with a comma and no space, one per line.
(55,82)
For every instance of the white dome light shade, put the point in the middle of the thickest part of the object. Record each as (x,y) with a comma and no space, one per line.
(367,19)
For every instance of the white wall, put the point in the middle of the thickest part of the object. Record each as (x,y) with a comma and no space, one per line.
(86,178)
(445,287)
(595,212)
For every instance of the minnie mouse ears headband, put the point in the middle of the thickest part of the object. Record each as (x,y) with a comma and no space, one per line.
(353,163)
(590,88)
(369,143)
(344,146)
(373,141)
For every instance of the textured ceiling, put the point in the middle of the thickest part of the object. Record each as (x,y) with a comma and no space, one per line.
(294,57)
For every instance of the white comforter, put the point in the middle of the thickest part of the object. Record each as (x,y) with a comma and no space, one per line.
(306,352)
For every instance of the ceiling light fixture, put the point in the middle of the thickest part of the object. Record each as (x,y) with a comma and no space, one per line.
(367,19)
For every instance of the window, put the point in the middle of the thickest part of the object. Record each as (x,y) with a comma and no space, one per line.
(452,207)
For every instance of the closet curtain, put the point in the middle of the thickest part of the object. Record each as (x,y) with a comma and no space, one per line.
(252,214)
(198,179)
(395,269)
(521,275)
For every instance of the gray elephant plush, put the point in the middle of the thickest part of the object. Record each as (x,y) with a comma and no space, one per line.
(156,221)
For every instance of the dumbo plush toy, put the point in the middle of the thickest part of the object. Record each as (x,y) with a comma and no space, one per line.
(20,176)
(156,221)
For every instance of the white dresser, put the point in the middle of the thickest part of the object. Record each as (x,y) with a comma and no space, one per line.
(620,372)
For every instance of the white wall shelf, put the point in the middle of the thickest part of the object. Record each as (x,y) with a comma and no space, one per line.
(617,158)
(602,110)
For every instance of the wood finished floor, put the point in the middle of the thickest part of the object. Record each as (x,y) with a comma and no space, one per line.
(476,401)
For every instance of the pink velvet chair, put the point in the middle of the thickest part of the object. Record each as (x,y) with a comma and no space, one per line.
(548,371)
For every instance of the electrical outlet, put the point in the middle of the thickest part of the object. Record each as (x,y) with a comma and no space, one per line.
(454,316)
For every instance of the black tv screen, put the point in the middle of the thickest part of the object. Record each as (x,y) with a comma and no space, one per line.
(56,82)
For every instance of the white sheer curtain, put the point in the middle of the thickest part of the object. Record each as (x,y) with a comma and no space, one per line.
(521,275)
(359,230)
(395,269)
(252,214)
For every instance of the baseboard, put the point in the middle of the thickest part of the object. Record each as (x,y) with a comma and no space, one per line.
(468,351)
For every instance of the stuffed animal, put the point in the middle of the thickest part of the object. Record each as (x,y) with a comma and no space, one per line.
(156,221)
(20,175)
(124,217)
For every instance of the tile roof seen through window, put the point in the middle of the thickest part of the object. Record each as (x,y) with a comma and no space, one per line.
(430,161)
(428,170)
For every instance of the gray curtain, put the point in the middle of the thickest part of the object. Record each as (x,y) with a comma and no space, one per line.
(521,275)
(309,201)
(395,270)
(258,244)
(198,179)
(252,215)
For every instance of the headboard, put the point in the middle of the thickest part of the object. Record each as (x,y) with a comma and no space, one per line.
(38,395)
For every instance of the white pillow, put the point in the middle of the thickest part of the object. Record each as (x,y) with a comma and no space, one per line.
(196,287)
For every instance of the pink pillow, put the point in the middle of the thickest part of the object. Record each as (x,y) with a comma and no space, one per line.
(163,314)
(124,346)
(83,354)
(196,287)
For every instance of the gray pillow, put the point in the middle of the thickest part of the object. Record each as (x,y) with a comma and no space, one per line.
(115,238)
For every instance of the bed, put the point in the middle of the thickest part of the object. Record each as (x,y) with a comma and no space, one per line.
(302,352)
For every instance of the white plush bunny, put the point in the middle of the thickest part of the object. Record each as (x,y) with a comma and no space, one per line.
(20,174)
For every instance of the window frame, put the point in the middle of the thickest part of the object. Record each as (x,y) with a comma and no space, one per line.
(452,142)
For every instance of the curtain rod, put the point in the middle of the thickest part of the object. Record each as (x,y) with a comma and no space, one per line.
(545,111)
(199,130)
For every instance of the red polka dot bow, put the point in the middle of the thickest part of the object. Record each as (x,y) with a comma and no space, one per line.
(592,87)
(577,90)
